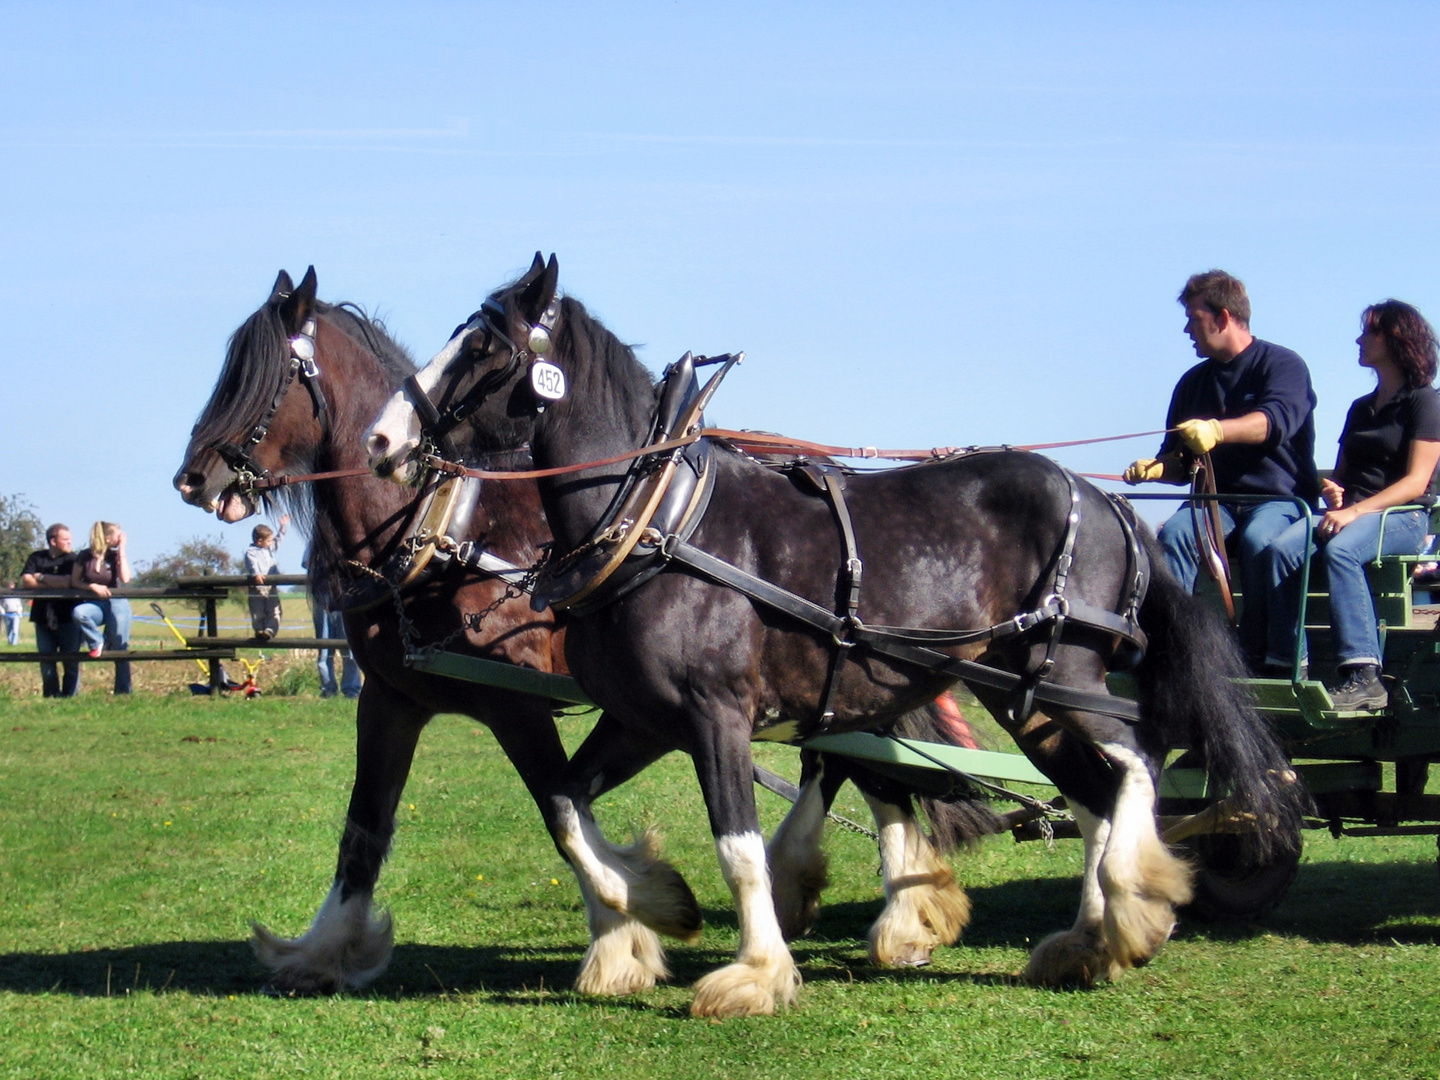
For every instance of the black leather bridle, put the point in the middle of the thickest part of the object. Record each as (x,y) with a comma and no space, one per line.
(436,426)
(240,456)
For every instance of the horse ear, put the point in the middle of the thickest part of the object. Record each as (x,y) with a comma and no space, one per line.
(300,304)
(283,287)
(537,267)
(536,296)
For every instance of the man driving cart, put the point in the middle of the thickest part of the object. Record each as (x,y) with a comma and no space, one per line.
(1250,406)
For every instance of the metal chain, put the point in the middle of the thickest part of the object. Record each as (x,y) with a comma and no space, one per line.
(410,635)
(1047,811)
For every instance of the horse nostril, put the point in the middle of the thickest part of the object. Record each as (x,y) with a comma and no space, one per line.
(377,445)
(188,483)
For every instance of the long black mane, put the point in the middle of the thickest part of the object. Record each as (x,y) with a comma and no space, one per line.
(257,359)
(605,368)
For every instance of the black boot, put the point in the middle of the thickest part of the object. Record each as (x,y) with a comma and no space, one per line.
(1362,689)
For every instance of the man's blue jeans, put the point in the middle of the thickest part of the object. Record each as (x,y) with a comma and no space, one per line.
(1344,555)
(107,621)
(64,640)
(1258,524)
(331,624)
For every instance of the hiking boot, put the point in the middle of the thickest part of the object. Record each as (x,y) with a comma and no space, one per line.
(1362,689)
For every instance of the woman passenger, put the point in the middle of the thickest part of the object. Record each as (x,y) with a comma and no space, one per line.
(104,622)
(1388,451)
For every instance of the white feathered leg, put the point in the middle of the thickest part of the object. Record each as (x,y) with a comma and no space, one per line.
(797,864)
(629,894)
(924,907)
(764,974)
(344,949)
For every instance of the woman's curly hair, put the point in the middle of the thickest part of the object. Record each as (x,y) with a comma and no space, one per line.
(1409,339)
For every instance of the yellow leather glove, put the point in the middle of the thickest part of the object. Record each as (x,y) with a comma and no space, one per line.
(1200,436)
(1143,470)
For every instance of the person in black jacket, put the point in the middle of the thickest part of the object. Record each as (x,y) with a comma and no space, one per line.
(49,568)
(1250,406)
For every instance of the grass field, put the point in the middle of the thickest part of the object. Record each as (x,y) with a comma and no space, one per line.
(138,836)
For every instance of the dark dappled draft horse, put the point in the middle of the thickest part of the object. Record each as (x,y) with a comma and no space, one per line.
(359,519)
(683,662)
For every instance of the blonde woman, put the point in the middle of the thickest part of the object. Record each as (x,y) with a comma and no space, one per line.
(104,622)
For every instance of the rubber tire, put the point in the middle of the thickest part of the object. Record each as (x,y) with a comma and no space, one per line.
(1231,888)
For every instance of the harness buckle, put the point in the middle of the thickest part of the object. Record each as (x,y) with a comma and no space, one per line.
(668,545)
(309,369)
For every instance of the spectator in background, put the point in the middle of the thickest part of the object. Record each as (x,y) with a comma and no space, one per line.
(55,632)
(330,623)
(13,607)
(259,562)
(104,622)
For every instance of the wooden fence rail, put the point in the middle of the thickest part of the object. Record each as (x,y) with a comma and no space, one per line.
(209,646)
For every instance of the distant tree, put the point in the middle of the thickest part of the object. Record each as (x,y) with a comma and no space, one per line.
(196,556)
(20,534)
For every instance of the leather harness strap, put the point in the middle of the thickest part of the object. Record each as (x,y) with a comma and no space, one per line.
(880,640)
(1209,530)
(831,482)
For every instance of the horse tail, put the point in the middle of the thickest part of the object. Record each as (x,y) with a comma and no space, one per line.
(1189,686)
(959,813)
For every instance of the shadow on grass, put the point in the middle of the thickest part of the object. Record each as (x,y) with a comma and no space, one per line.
(1330,902)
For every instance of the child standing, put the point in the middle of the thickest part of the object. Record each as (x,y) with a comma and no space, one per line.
(259,561)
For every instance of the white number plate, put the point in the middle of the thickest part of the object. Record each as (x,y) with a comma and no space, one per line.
(547,380)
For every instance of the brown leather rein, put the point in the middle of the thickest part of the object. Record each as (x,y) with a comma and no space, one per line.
(746,440)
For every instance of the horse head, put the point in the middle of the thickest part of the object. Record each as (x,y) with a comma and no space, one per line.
(497,369)
(254,426)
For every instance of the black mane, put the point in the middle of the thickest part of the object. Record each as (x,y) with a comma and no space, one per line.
(257,358)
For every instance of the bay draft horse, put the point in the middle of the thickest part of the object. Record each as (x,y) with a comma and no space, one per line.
(359,519)
(684,662)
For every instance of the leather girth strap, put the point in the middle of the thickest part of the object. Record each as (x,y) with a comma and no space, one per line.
(831,482)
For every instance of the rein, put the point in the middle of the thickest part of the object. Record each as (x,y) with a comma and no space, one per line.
(750,440)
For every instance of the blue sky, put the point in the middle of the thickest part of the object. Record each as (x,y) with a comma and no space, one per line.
(926,224)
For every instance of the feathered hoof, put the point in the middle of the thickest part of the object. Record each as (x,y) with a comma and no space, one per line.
(658,895)
(746,989)
(306,966)
(1071,958)
(624,960)
(1140,904)
(797,891)
(918,919)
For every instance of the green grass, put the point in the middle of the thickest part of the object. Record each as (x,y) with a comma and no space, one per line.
(138,837)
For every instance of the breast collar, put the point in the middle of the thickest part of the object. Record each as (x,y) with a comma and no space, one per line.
(662,495)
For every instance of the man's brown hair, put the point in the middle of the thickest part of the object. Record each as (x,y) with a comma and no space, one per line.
(1218,291)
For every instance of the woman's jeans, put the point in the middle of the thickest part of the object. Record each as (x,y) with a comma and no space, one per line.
(113,615)
(1344,555)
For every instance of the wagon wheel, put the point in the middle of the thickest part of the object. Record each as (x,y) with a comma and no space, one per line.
(1231,886)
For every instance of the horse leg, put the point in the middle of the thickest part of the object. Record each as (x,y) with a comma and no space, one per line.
(345,947)
(924,907)
(1143,883)
(797,864)
(764,973)
(1132,883)
(1078,955)
(630,893)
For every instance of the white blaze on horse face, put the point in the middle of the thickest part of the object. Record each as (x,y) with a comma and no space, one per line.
(396,433)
